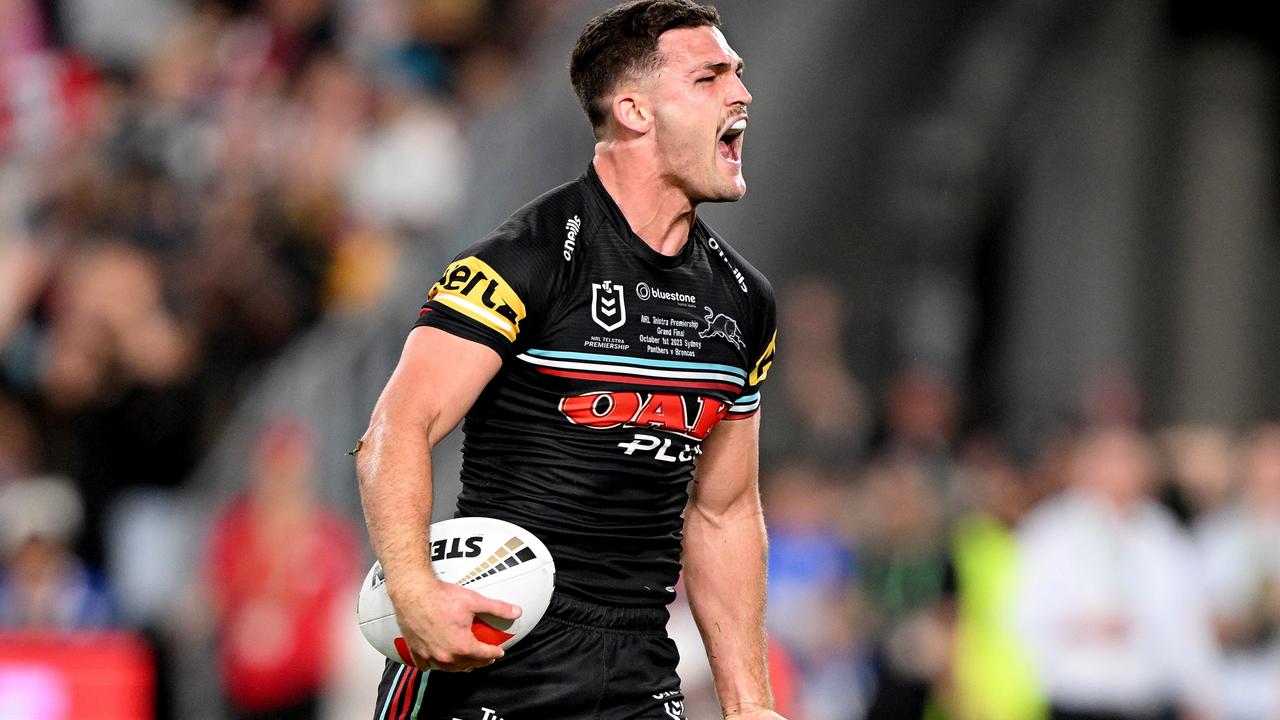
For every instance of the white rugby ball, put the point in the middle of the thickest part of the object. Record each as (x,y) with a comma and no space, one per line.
(495,558)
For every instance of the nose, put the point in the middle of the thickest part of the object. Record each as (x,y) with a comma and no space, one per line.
(739,95)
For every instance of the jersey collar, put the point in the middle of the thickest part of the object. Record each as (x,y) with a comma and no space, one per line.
(638,246)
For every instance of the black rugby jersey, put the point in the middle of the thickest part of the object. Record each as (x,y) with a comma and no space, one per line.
(617,362)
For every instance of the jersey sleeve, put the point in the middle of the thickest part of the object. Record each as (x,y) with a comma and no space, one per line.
(764,342)
(491,292)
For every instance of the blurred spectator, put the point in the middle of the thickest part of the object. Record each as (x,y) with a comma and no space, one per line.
(45,94)
(1201,470)
(461,48)
(109,327)
(784,680)
(1241,547)
(1051,466)
(920,429)
(1111,397)
(811,570)
(921,414)
(992,677)
(1110,602)
(278,563)
(107,367)
(409,173)
(818,412)
(908,580)
(114,32)
(43,585)
(809,557)
(19,446)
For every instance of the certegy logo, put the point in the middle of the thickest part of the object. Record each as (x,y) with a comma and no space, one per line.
(572,226)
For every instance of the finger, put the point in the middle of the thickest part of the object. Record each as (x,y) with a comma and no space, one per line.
(498,608)
(421,662)
(463,664)
(480,652)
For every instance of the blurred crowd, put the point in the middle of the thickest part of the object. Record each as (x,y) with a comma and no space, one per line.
(923,568)
(185,187)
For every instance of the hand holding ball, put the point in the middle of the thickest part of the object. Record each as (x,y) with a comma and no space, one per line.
(493,557)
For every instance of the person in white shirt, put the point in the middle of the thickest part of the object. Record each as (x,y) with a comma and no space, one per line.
(1110,601)
(1240,544)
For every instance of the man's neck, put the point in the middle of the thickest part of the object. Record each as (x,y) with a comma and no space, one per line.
(658,213)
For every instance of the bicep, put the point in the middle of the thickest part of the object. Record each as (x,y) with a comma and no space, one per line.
(728,467)
(437,380)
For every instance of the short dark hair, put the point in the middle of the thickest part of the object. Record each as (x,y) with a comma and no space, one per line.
(624,40)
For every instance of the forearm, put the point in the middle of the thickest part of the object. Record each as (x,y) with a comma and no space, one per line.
(393,464)
(725,569)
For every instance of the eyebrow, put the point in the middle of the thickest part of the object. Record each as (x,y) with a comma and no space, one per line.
(721,66)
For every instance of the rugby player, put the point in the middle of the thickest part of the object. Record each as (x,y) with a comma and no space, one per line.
(606,347)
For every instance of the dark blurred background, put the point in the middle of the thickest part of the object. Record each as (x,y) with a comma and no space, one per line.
(1021,451)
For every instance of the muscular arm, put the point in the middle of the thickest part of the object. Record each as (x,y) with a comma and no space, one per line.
(724,567)
(438,378)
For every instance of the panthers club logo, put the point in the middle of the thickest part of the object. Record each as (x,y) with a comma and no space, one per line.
(721,325)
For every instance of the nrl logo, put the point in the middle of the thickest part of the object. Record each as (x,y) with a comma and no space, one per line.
(721,325)
(608,308)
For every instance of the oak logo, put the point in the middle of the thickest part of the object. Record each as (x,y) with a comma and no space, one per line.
(660,411)
(476,290)
(608,306)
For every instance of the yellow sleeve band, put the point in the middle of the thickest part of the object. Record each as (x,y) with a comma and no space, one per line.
(476,290)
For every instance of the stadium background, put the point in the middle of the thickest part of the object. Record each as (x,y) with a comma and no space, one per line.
(992,225)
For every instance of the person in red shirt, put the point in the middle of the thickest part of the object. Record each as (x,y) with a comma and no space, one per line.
(278,562)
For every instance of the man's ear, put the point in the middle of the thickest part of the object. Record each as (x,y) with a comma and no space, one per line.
(632,111)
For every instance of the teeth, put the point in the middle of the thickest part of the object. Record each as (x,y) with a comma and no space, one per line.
(741,124)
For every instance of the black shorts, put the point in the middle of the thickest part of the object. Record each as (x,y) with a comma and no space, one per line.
(582,662)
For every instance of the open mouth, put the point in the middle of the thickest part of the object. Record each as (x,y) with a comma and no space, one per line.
(731,141)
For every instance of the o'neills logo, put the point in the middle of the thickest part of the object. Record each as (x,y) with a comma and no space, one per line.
(645,291)
(737,274)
